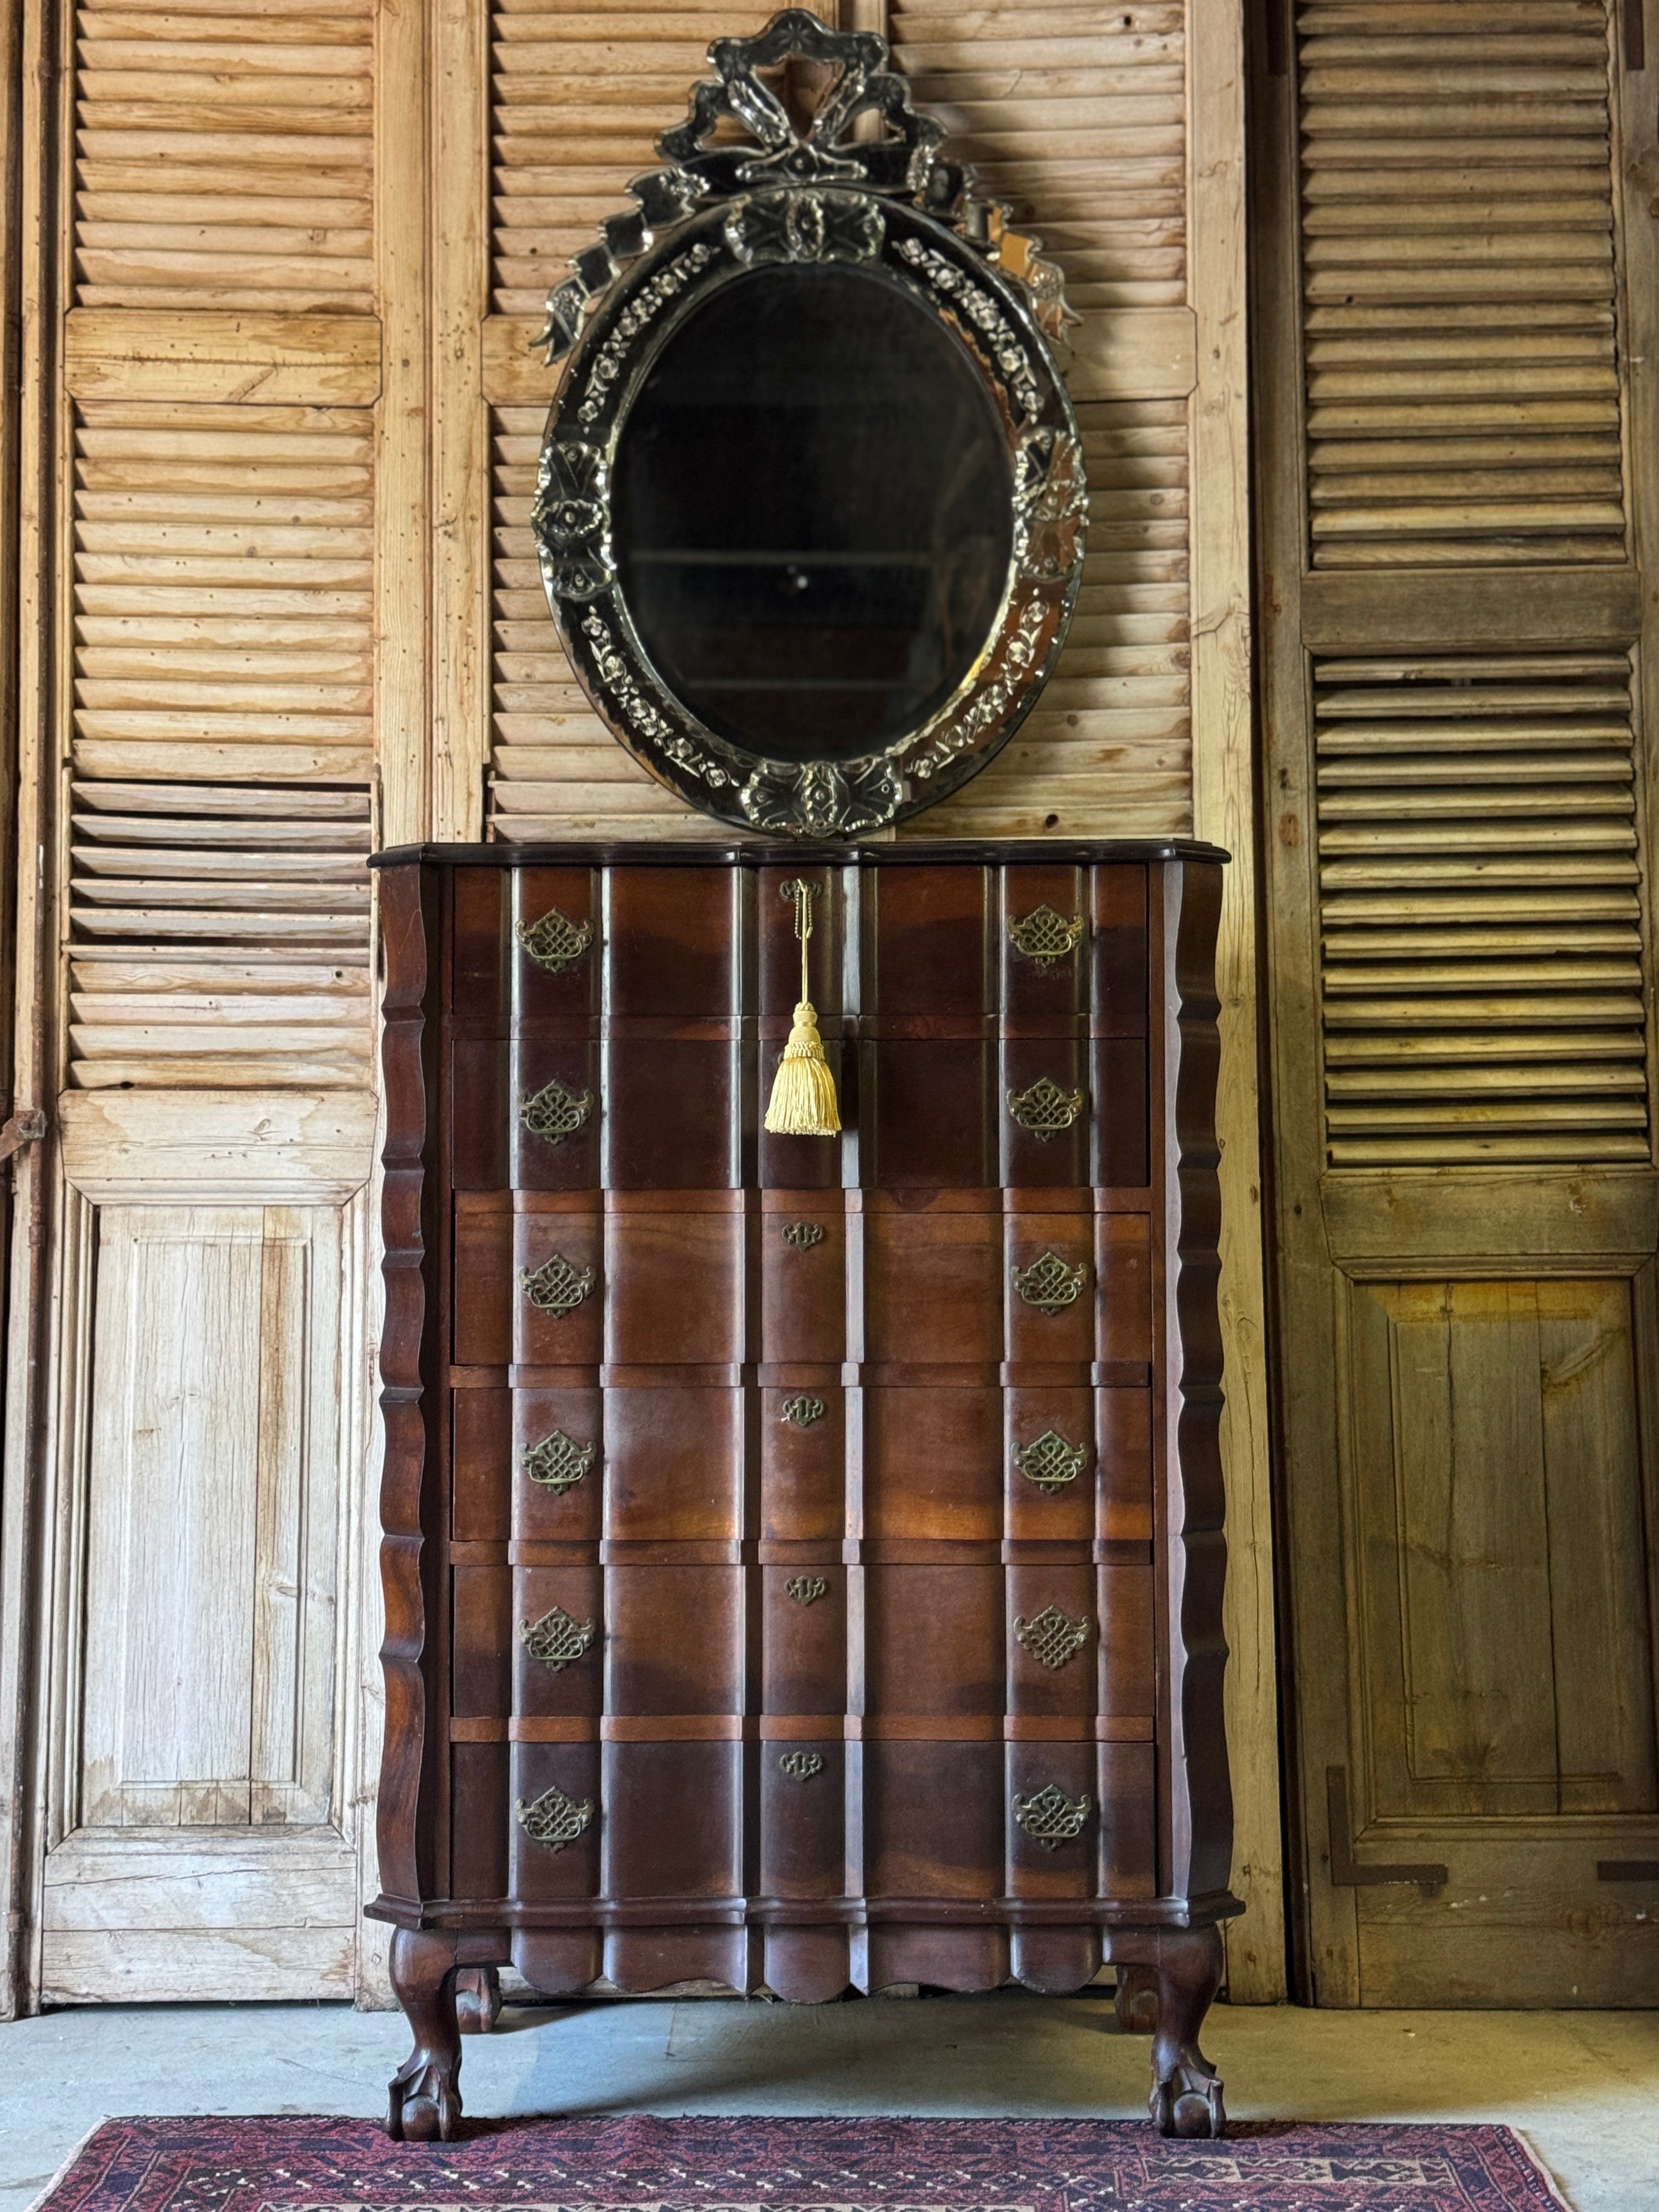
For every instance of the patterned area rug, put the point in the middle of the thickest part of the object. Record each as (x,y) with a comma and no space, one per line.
(797,2166)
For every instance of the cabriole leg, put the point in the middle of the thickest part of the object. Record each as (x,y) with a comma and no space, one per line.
(425,2103)
(477,1999)
(1185,2097)
(1137,2000)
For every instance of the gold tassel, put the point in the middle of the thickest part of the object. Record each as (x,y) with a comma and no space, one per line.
(803,1103)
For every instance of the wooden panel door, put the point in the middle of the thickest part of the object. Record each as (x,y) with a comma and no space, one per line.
(1458,497)
(205,542)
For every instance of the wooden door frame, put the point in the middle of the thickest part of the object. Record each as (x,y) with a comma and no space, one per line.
(1556,618)
(35,102)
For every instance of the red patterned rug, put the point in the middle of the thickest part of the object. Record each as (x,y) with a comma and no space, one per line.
(798,2166)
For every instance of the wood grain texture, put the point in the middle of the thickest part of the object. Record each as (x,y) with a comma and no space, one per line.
(1224,811)
(1454,953)
(1458,274)
(408,1226)
(182,974)
(751,1628)
(225,160)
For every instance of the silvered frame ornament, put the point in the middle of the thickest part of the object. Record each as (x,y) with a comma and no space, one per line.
(864,182)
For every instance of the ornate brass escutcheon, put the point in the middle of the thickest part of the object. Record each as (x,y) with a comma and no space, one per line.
(1052,1637)
(555,1287)
(801,1412)
(805,1589)
(556,1639)
(1044,1108)
(558,1462)
(801,1766)
(1044,936)
(554,1112)
(1049,1285)
(553,1819)
(802,1235)
(555,942)
(1050,1818)
(1050,1461)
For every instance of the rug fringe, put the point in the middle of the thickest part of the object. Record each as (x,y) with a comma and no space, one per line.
(1544,2173)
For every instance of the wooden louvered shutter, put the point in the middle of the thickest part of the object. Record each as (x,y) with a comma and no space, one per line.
(1077,120)
(218,553)
(1459,485)
(576,105)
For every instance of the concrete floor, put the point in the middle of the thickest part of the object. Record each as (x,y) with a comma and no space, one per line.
(1584,2086)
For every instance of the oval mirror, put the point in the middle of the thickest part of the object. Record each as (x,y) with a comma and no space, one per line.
(811,505)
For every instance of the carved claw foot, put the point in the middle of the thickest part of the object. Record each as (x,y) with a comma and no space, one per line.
(1188,2102)
(424,2102)
(1186,2096)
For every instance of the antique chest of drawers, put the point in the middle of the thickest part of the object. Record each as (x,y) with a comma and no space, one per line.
(802,1556)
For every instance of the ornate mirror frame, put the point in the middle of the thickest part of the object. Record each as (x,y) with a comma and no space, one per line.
(864,185)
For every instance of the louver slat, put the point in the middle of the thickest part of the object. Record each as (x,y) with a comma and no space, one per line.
(555,768)
(223,577)
(1480,910)
(1458,286)
(224,156)
(578,102)
(1077,120)
(223,634)
(219,936)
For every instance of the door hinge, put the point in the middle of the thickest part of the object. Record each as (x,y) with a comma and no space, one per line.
(25,1129)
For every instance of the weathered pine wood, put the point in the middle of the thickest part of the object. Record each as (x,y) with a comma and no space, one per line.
(1456,944)
(1224,811)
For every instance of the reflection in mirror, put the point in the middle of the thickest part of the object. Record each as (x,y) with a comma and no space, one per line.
(813,512)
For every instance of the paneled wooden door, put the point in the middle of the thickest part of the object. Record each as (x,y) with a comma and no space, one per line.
(1454,294)
(204,536)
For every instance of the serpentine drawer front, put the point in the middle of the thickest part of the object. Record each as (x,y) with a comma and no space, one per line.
(802,1561)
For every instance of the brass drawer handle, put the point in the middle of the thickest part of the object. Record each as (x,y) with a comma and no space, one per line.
(553,1819)
(555,1112)
(558,1462)
(805,1589)
(802,1765)
(555,1287)
(1050,1818)
(802,1235)
(801,1413)
(1044,936)
(1052,1637)
(556,1639)
(1049,1285)
(555,942)
(1045,1109)
(1050,1461)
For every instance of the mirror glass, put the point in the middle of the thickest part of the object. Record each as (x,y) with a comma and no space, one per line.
(812,511)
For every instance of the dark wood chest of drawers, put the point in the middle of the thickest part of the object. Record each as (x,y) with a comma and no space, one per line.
(803,1555)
